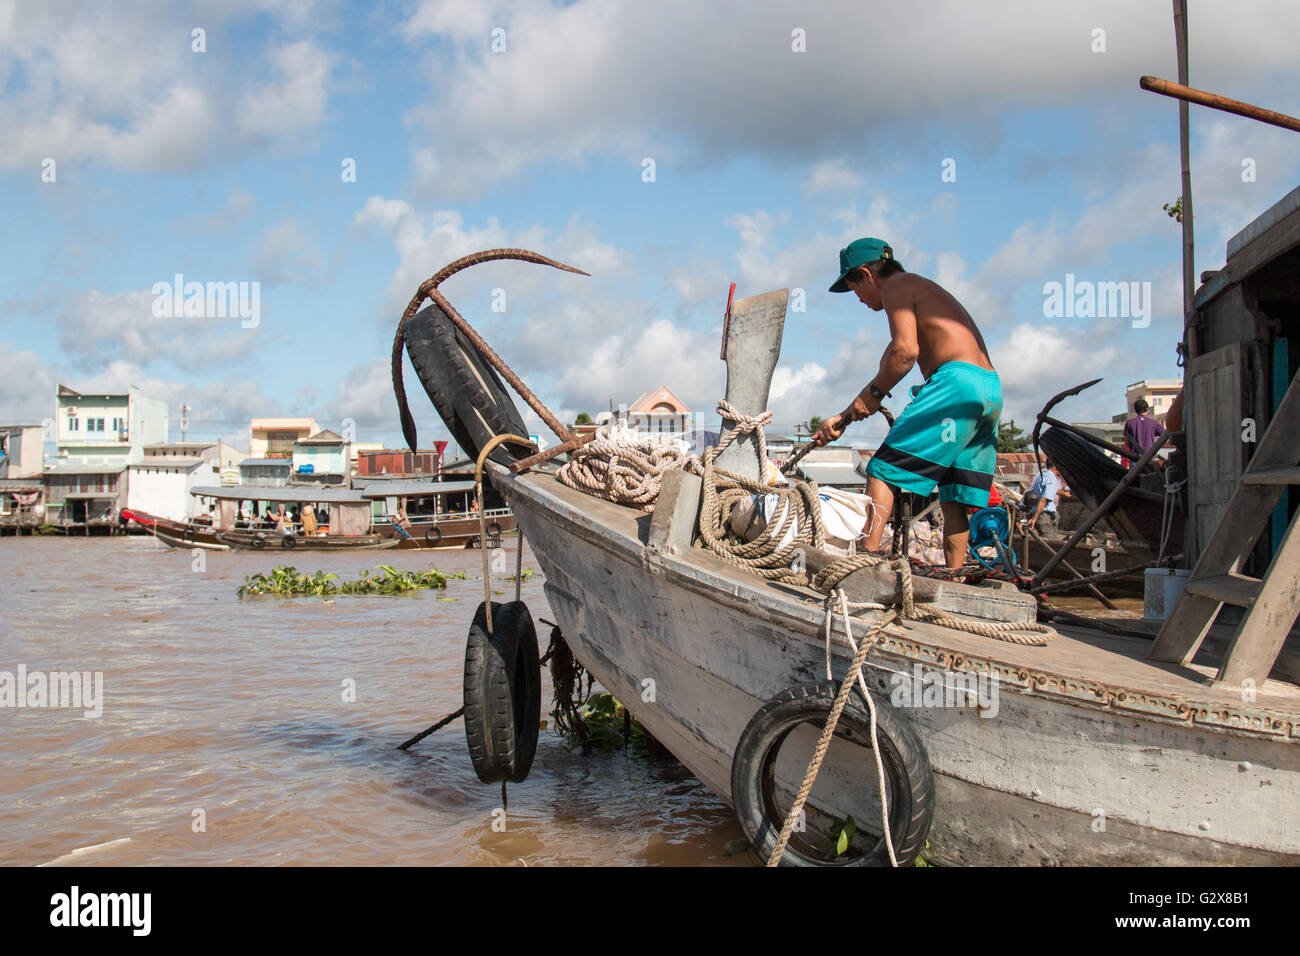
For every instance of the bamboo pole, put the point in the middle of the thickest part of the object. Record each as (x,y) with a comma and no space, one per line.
(1181,91)
(1189,248)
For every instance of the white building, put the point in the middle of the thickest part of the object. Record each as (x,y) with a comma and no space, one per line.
(22,451)
(107,429)
(98,436)
(159,484)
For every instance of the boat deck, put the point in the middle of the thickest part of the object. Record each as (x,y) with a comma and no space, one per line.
(1081,664)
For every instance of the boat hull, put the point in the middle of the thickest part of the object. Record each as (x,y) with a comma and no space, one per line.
(1053,778)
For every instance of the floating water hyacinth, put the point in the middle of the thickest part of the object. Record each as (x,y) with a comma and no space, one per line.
(287,581)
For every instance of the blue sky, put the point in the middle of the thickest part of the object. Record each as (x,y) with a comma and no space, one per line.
(224,165)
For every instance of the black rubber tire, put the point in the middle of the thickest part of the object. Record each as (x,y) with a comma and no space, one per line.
(289,541)
(502,693)
(469,397)
(259,540)
(432,536)
(1091,475)
(907,770)
(493,529)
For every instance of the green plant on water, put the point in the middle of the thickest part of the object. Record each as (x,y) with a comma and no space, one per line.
(607,726)
(46,528)
(287,581)
(525,575)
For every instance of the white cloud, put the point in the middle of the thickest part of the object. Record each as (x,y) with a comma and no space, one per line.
(294,98)
(120,84)
(97,327)
(832,175)
(590,76)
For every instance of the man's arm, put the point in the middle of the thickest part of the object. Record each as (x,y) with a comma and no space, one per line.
(899,357)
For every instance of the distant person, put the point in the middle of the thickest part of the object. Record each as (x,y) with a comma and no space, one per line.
(308,520)
(1047,487)
(1140,431)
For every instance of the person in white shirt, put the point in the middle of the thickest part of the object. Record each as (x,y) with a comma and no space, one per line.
(1047,486)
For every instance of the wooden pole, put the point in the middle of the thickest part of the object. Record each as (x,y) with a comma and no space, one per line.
(1189,250)
(1180,91)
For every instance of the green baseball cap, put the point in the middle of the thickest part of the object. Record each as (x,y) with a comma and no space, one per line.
(859,252)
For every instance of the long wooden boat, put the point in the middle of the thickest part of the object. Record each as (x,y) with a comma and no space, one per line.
(176,534)
(198,534)
(440,514)
(1094,756)
(1093,748)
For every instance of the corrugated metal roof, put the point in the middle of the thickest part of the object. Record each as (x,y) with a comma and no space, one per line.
(402,489)
(80,468)
(289,494)
(286,462)
(163,461)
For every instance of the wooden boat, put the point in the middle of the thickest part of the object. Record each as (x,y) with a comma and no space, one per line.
(223,529)
(1175,769)
(176,534)
(1139,514)
(1097,748)
(438,514)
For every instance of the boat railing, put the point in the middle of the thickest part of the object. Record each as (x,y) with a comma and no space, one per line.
(455,516)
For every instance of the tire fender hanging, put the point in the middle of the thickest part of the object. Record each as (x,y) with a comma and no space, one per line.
(907,772)
(502,693)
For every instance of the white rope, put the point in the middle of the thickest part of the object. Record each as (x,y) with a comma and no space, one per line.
(854,675)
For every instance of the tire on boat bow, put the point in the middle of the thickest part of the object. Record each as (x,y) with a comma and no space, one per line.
(907,773)
(503,693)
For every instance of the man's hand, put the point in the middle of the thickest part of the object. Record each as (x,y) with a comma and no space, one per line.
(832,428)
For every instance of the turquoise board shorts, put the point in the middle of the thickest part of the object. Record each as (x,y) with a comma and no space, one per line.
(947,436)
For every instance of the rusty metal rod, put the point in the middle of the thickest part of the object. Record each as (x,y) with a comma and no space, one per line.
(1090,579)
(1080,579)
(571,445)
(1180,92)
(426,290)
(485,350)
(1092,439)
(1102,509)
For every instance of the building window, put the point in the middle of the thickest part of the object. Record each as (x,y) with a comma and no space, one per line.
(72,423)
(280,444)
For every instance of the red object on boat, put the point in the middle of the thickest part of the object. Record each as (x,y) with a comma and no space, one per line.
(995,496)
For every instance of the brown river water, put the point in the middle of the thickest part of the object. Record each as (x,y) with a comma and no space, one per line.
(227,717)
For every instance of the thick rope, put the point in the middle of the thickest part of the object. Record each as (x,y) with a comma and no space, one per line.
(828,731)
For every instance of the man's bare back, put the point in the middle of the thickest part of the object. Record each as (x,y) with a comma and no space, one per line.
(928,328)
(945,332)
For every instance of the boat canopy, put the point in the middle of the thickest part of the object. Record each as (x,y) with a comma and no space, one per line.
(414,489)
(285,494)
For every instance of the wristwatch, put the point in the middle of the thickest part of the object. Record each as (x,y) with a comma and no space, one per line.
(877,394)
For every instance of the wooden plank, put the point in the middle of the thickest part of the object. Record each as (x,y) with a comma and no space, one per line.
(1261,635)
(1193,614)
(1236,533)
(752,348)
(1238,589)
(1272,476)
(677,512)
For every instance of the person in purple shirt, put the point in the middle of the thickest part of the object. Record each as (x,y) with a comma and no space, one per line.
(1140,432)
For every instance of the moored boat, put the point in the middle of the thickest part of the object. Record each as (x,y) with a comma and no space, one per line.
(1085,747)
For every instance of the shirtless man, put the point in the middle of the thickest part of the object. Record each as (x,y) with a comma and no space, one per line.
(948,435)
